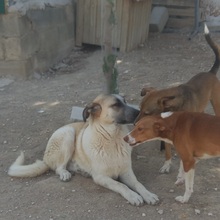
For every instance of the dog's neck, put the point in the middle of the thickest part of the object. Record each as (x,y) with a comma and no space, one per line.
(170,123)
(110,130)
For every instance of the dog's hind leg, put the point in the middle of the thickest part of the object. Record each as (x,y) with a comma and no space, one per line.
(60,150)
(215,99)
(131,181)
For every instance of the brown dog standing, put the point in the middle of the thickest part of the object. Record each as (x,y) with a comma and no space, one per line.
(191,96)
(194,135)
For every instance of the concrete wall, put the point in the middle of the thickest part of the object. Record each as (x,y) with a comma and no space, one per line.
(36,40)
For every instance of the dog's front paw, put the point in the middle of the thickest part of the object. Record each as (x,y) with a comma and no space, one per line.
(181,199)
(135,199)
(151,199)
(65,175)
(166,167)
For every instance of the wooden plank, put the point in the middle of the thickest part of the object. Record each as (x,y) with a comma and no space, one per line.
(130,26)
(133,33)
(117,27)
(140,14)
(143,13)
(183,3)
(92,26)
(146,12)
(86,23)
(98,27)
(147,18)
(79,22)
(188,12)
(180,23)
(125,26)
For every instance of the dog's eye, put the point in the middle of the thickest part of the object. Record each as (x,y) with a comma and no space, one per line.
(140,128)
(124,101)
(117,104)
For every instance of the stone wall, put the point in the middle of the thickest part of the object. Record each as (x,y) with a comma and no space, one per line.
(36,40)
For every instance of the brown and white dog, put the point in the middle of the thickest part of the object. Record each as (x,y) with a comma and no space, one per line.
(95,148)
(195,136)
(191,96)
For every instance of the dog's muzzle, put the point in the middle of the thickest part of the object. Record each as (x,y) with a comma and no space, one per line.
(129,115)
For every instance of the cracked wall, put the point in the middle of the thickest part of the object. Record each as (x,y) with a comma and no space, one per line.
(35,41)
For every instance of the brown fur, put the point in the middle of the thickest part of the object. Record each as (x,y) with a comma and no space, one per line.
(194,135)
(191,96)
(93,148)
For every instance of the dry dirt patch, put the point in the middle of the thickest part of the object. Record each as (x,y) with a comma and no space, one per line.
(31,110)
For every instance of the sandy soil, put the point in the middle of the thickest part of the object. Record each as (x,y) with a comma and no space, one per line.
(31,110)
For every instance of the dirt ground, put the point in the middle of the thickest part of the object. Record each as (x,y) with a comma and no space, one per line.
(31,110)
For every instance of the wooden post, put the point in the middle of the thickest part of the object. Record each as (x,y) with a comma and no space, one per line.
(109,69)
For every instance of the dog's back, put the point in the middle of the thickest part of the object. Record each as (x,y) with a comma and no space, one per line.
(199,132)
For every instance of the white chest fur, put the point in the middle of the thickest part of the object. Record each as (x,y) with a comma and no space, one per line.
(104,152)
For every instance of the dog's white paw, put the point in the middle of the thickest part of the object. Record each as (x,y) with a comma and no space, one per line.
(166,167)
(151,199)
(181,199)
(65,175)
(135,199)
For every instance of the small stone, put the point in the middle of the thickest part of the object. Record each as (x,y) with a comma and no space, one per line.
(41,111)
(126,71)
(210,214)
(160,211)
(143,214)
(197,211)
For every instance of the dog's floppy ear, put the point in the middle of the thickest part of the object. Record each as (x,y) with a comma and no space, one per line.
(146,90)
(159,126)
(94,109)
(166,103)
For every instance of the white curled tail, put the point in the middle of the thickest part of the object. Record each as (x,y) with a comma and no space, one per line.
(17,169)
(216,49)
(206,30)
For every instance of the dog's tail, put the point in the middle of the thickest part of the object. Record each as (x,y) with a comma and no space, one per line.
(215,47)
(18,169)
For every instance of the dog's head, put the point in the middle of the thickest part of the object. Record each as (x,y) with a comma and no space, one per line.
(110,109)
(146,129)
(158,101)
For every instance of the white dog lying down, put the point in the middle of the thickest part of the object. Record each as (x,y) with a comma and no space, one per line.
(94,147)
